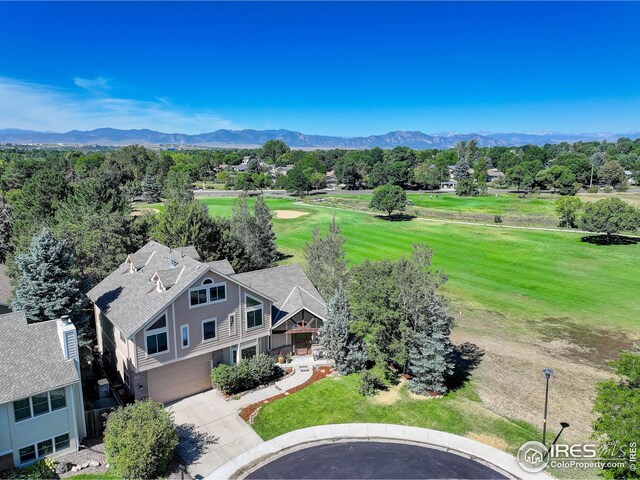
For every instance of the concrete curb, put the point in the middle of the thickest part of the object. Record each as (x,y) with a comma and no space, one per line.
(373,432)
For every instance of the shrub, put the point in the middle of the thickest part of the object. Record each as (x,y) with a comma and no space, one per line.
(369,383)
(607,189)
(497,219)
(140,439)
(593,189)
(245,375)
(41,470)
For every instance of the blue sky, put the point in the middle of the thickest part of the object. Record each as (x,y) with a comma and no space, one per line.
(325,68)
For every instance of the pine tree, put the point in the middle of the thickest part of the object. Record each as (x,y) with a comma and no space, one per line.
(326,259)
(266,239)
(430,351)
(348,353)
(47,289)
(186,223)
(150,189)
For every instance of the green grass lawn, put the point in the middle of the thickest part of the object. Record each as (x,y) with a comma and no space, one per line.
(528,274)
(336,400)
(503,204)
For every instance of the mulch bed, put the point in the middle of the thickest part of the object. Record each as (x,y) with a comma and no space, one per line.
(318,374)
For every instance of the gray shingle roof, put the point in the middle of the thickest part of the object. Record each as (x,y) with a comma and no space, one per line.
(222,266)
(5,286)
(129,299)
(31,358)
(289,286)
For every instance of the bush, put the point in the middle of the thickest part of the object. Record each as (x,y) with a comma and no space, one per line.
(369,383)
(607,189)
(593,189)
(497,219)
(41,470)
(140,439)
(245,375)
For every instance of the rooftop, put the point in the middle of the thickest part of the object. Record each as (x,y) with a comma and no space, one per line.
(32,358)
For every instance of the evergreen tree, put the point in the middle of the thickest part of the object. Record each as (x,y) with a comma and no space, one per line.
(178,186)
(150,189)
(326,259)
(6,245)
(266,239)
(347,352)
(47,289)
(430,350)
(461,170)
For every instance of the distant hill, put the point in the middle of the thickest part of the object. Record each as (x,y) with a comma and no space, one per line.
(255,138)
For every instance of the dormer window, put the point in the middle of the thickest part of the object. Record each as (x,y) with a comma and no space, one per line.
(254,312)
(156,338)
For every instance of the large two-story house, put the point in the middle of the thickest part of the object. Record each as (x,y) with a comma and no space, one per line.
(164,318)
(41,404)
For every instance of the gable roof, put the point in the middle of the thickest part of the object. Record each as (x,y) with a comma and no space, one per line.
(32,358)
(5,286)
(289,286)
(221,266)
(130,298)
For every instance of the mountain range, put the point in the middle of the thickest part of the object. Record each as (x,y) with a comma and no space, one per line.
(255,138)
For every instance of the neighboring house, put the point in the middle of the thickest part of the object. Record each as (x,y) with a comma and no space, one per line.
(494,174)
(41,404)
(164,318)
(5,290)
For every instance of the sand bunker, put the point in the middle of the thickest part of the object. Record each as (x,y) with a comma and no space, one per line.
(144,211)
(285,214)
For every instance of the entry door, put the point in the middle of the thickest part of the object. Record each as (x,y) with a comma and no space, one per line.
(301,342)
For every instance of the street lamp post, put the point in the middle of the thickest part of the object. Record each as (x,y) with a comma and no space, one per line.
(547,373)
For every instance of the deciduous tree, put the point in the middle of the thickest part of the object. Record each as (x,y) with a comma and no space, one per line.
(326,259)
(388,198)
(567,208)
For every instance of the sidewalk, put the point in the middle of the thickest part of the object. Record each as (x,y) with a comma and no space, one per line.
(299,376)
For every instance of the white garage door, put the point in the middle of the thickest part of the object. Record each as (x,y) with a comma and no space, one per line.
(180,379)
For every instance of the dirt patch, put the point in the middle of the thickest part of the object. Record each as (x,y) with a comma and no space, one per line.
(289,214)
(390,396)
(509,380)
(144,211)
(489,440)
(247,413)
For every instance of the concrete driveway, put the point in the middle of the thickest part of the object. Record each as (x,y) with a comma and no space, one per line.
(211,432)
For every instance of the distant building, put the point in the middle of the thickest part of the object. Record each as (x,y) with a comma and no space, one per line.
(494,174)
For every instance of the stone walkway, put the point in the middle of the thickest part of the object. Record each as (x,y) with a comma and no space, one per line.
(301,375)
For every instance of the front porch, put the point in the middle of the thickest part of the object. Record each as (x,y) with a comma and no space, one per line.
(298,335)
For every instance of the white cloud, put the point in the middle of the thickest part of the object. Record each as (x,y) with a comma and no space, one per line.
(32,106)
(98,84)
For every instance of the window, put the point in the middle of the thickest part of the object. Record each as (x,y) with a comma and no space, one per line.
(198,297)
(184,335)
(62,442)
(217,293)
(40,404)
(254,312)
(27,454)
(22,409)
(45,448)
(209,330)
(122,338)
(58,399)
(212,293)
(248,353)
(156,337)
(232,324)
